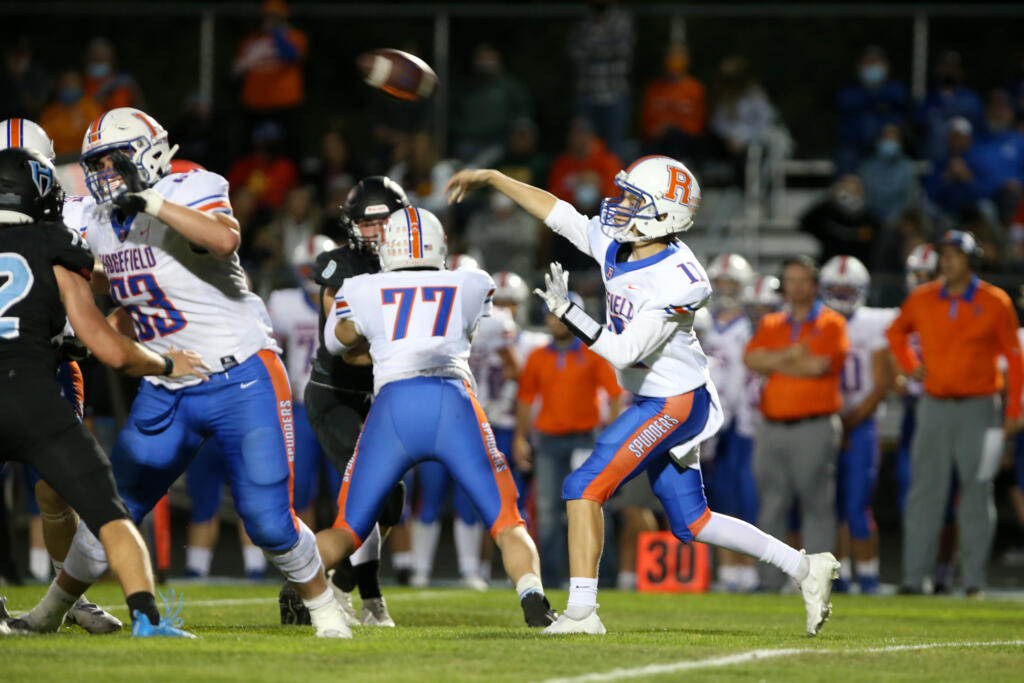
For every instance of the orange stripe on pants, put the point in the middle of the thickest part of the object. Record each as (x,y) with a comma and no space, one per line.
(624,461)
(283,394)
(339,521)
(509,515)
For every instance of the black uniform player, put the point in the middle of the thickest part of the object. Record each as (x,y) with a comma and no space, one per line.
(338,394)
(44,269)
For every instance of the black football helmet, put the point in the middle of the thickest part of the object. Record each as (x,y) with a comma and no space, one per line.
(29,185)
(373,197)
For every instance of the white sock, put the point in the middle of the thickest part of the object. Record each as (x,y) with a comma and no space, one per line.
(198,559)
(424,545)
(529,583)
(49,613)
(747,578)
(485,570)
(626,581)
(468,538)
(728,575)
(846,569)
(867,569)
(369,550)
(736,535)
(582,597)
(402,560)
(57,566)
(39,563)
(253,559)
(325,612)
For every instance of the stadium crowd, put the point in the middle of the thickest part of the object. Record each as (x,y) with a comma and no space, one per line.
(906,173)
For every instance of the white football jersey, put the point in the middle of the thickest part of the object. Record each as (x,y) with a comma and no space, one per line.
(177,294)
(296,321)
(496,332)
(748,410)
(866,330)
(725,343)
(418,322)
(76,212)
(669,286)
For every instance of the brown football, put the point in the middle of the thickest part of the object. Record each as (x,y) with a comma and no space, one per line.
(397,73)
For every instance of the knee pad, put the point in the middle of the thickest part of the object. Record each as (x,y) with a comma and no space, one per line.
(86,560)
(394,506)
(301,562)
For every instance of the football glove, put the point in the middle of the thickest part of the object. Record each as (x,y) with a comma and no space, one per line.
(556,296)
(136,197)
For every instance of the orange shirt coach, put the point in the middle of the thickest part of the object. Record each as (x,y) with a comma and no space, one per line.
(791,397)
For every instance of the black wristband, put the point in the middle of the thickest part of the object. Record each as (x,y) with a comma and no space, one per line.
(168,365)
(581,324)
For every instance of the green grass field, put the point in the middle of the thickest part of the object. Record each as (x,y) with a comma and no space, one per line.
(456,635)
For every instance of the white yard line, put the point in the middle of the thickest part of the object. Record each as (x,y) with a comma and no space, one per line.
(230,602)
(744,657)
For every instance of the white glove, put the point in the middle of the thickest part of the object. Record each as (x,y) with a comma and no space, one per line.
(148,200)
(556,294)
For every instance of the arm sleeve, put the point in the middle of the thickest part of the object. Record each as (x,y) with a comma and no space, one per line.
(899,337)
(1010,346)
(570,224)
(69,250)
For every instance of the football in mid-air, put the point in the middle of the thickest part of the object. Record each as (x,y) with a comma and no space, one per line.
(397,73)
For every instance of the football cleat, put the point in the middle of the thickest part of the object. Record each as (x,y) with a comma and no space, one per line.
(419,581)
(589,624)
(537,610)
(375,613)
(91,618)
(474,582)
(817,589)
(344,600)
(293,611)
(169,626)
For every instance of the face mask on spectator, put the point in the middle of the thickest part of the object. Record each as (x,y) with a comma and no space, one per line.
(872,74)
(587,195)
(889,148)
(98,69)
(69,95)
(849,202)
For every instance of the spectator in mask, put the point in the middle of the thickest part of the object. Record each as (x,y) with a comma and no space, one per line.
(24,84)
(675,111)
(947,98)
(866,106)
(842,222)
(492,101)
(585,171)
(889,177)
(69,115)
(954,185)
(1001,156)
(509,236)
(106,85)
(266,171)
(523,160)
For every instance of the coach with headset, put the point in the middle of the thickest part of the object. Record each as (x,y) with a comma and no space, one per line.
(964,326)
(800,351)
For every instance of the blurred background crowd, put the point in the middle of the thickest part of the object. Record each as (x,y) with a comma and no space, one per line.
(837,155)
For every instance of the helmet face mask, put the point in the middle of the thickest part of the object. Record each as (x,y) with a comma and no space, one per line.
(367,208)
(659,199)
(139,136)
(844,284)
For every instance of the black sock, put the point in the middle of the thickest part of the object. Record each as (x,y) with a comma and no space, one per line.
(144,602)
(344,577)
(368,578)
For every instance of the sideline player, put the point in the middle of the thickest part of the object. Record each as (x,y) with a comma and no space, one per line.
(869,373)
(655,284)
(57,521)
(338,397)
(725,341)
(42,263)
(168,244)
(418,319)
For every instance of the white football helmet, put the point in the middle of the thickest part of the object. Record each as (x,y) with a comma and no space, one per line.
(510,289)
(732,268)
(412,238)
(762,291)
(922,265)
(463,262)
(28,134)
(844,284)
(659,198)
(135,133)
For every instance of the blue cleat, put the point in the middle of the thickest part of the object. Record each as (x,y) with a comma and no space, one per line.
(169,626)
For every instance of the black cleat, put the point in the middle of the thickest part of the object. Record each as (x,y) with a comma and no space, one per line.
(403,577)
(293,611)
(537,611)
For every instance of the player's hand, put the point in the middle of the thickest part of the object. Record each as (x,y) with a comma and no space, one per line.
(137,196)
(1011,426)
(188,362)
(464,182)
(556,292)
(522,454)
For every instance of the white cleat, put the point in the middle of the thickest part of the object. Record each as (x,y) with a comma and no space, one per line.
(91,618)
(474,582)
(375,613)
(589,624)
(345,601)
(419,581)
(331,622)
(345,632)
(817,589)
